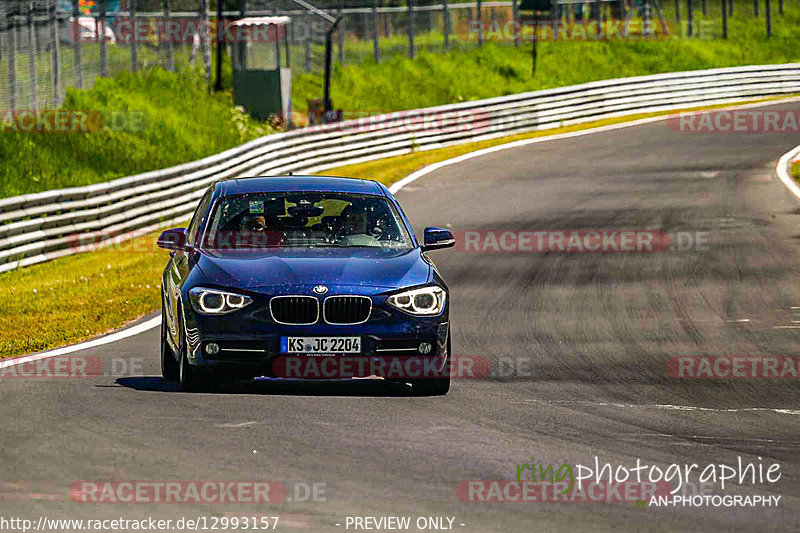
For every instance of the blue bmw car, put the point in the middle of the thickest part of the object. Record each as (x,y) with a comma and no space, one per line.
(304,277)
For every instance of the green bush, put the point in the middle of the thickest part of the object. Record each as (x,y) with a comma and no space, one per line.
(176,119)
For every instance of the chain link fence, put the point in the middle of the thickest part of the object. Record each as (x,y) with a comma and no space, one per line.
(48,45)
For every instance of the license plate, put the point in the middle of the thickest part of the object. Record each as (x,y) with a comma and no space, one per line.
(312,345)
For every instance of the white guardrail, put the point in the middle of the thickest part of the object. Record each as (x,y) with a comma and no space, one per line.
(39,227)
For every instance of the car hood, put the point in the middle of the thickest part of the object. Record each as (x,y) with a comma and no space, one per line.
(290,267)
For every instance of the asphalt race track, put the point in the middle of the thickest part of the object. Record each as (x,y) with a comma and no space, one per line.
(578,342)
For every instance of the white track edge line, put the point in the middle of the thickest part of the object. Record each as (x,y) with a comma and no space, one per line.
(600,129)
(784,173)
(113,337)
(414,176)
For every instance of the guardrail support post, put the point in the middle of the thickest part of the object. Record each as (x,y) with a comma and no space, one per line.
(412,53)
(56,54)
(32,58)
(101,35)
(376,44)
(326,90)
(724,19)
(768,17)
(446,14)
(307,43)
(341,32)
(12,66)
(480,22)
(168,42)
(134,33)
(77,35)
(690,18)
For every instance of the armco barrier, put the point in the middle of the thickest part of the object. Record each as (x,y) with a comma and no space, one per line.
(39,227)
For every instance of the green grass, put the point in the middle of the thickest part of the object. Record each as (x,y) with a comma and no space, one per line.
(181,121)
(470,73)
(77,297)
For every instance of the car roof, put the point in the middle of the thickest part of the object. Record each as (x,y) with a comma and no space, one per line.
(245,185)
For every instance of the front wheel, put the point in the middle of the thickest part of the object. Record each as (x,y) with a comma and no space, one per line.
(169,366)
(189,378)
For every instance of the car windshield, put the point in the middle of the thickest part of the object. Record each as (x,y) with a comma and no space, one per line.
(305,219)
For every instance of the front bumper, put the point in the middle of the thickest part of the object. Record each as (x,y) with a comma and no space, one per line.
(249,344)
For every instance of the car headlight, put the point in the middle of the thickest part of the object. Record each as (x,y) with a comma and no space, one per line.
(424,301)
(216,302)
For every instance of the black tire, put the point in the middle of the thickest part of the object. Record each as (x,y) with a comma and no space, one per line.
(189,378)
(437,386)
(169,366)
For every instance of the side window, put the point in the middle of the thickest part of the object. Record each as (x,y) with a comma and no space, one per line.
(197,219)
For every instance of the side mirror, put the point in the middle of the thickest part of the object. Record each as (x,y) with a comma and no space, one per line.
(438,238)
(174,239)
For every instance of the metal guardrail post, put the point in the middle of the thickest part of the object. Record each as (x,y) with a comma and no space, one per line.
(412,53)
(479,9)
(724,19)
(134,37)
(101,36)
(57,89)
(768,17)
(447,23)
(376,46)
(517,25)
(167,38)
(77,35)
(340,34)
(12,66)
(32,53)
(690,18)
(308,43)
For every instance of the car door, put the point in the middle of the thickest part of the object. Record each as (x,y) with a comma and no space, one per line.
(181,264)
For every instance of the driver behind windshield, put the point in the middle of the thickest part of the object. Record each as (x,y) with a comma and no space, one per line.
(316,219)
